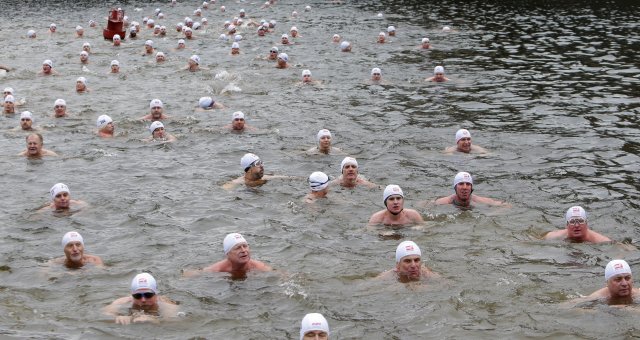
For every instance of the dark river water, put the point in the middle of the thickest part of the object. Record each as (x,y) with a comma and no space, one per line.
(551,89)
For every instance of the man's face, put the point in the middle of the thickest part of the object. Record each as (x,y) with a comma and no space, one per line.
(145,299)
(464,144)
(25,123)
(426,45)
(395,204)
(257,169)
(34,145)
(238,123)
(409,266)
(350,171)
(438,77)
(294,33)
(315,335)
(620,285)
(80,86)
(159,58)
(261,33)
(577,229)
(62,200)
(60,110)
(116,43)
(285,40)
(74,251)
(46,68)
(80,32)
(9,107)
(239,254)
(159,133)
(324,142)
(188,34)
(235,51)
(376,76)
(306,78)
(148,48)
(381,38)
(108,128)
(156,112)
(463,191)
(52,29)
(115,69)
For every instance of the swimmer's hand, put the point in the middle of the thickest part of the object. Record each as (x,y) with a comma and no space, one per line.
(144,318)
(124,319)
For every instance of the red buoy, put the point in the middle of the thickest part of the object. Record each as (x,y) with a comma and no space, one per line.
(115,25)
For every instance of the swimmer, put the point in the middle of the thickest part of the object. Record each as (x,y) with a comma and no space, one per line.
(79,31)
(193,64)
(391,31)
(117,40)
(336,38)
(188,33)
(35,149)
(74,255)
(349,177)
(273,53)
(619,286)
(145,305)
(323,141)
(181,45)
(294,32)
(394,213)
(208,103)
(148,48)
(7,91)
(84,57)
(237,38)
(409,267)
(31,34)
(307,79)
(376,75)
(577,229)
(151,23)
(235,48)
(179,27)
(52,28)
(242,13)
(425,44)
(156,111)
(156,30)
(314,327)
(158,133)
(81,85)
(438,75)
(115,66)
(253,173)
(223,9)
(261,31)
(61,199)
(9,107)
(463,187)
(231,30)
(105,126)
(47,69)
(160,58)
(204,22)
(133,32)
(345,46)
(319,185)
(26,122)
(86,47)
(381,38)
(197,12)
(60,109)
(238,261)
(284,40)
(188,22)
(283,61)
(238,123)
(463,144)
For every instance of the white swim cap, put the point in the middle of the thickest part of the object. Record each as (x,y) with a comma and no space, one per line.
(293,28)
(391,190)
(52,25)
(242,10)
(306,72)
(84,53)
(8,89)
(231,240)
(155,125)
(79,28)
(196,25)
(31,33)
(205,102)
(222,8)
(203,20)
(391,29)
(9,99)
(462,133)
(284,36)
(237,37)
(274,48)
(375,70)
(336,36)
(82,80)
(223,37)
(195,58)
(438,69)
(313,322)
(322,133)
(103,120)
(446,28)
(26,114)
(425,40)
(247,160)
(116,37)
(382,34)
(156,27)
(235,45)
(307,8)
(237,114)
(616,267)
(58,188)
(149,43)
(48,62)
(60,102)
(576,211)
(348,160)
(318,181)
(86,44)
(344,45)
(462,177)
(198,10)
(115,62)
(179,24)
(283,56)
(155,102)
(181,41)
(379,15)
(187,29)
(160,54)
(144,281)
(150,22)
(231,27)
(70,237)
(407,248)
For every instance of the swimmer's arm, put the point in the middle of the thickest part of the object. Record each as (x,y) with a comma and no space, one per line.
(490,201)
(171,138)
(6,68)
(218,106)
(23,153)
(375,219)
(47,207)
(555,235)
(113,310)
(444,200)
(261,266)
(478,149)
(450,150)
(415,216)
(49,153)
(231,185)
(389,274)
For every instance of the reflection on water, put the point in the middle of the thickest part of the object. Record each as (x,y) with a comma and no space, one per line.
(550,89)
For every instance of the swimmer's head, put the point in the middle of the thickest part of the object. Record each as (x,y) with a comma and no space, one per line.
(48,62)
(284,57)
(82,80)
(575,212)
(195,59)
(206,102)
(116,37)
(181,42)
(235,45)
(115,63)
(462,177)
(58,188)
(391,190)
(72,236)
(31,34)
(103,121)
(144,282)
(148,43)
(237,115)
(446,29)
(155,125)
(313,322)
(462,133)
(247,160)
(293,29)
(9,99)
(60,102)
(438,70)
(345,46)
(7,91)
(223,37)
(322,133)
(231,240)
(237,37)
(318,181)
(155,103)
(391,29)
(616,267)
(407,248)
(26,115)
(425,40)
(348,161)
(306,73)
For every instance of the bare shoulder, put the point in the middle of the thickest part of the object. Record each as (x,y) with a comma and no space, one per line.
(259,265)
(556,234)
(450,150)
(445,200)
(597,237)
(94,259)
(216,267)
(414,215)
(377,217)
